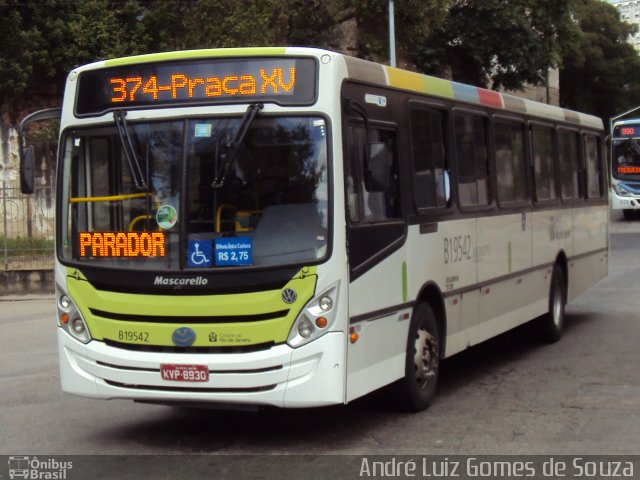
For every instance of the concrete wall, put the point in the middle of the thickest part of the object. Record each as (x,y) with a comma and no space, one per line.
(21,282)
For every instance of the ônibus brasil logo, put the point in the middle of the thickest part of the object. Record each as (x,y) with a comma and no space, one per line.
(180,281)
(38,469)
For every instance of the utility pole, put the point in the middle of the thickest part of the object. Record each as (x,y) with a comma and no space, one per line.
(392,36)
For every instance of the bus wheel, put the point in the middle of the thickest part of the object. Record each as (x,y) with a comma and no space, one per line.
(629,214)
(416,390)
(553,322)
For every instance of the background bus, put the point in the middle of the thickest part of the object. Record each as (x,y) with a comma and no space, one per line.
(625,166)
(294,227)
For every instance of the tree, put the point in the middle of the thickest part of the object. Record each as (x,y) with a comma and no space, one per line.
(496,43)
(600,68)
(44,40)
(415,20)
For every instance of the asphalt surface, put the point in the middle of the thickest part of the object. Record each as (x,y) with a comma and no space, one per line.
(510,395)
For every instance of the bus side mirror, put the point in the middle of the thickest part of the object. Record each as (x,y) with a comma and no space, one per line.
(27,155)
(27,170)
(378,167)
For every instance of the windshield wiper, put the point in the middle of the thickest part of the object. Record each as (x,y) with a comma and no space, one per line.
(139,181)
(234,146)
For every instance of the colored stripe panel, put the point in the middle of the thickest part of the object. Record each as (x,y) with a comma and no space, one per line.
(514,104)
(466,93)
(365,71)
(544,110)
(571,116)
(406,80)
(490,98)
(439,87)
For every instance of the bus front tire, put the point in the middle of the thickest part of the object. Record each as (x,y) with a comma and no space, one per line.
(629,214)
(552,324)
(415,391)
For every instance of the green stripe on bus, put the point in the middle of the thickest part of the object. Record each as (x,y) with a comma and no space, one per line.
(192,54)
(219,307)
(404,282)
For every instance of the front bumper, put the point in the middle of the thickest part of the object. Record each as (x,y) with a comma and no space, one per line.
(624,203)
(308,376)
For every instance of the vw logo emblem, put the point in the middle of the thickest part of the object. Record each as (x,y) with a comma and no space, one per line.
(289,295)
(183,337)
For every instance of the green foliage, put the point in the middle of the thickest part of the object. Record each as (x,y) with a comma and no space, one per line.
(229,23)
(17,51)
(48,38)
(497,43)
(415,23)
(599,67)
(19,245)
(312,22)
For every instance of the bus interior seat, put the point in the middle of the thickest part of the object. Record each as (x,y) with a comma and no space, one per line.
(287,233)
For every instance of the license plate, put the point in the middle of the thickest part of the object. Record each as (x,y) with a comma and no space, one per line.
(184,373)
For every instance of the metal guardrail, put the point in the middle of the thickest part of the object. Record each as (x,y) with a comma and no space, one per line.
(26,228)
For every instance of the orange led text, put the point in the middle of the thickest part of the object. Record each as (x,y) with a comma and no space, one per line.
(121,244)
(181,86)
(628,169)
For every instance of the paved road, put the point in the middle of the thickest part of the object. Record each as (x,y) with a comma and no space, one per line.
(510,395)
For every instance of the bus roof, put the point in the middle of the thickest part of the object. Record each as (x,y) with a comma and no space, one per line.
(375,73)
(627,121)
(403,79)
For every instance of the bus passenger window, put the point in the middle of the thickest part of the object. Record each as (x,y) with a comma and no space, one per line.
(472,158)
(543,163)
(593,166)
(568,164)
(429,158)
(510,163)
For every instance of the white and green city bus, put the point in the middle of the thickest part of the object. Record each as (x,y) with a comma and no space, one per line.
(293,227)
(625,166)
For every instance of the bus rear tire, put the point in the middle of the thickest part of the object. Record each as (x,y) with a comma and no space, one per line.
(552,324)
(415,391)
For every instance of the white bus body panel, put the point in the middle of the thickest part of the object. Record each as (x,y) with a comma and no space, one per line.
(631,202)
(590,236)
(505,282)
(377,358)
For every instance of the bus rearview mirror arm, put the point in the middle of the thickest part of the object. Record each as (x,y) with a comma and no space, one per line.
(27,155)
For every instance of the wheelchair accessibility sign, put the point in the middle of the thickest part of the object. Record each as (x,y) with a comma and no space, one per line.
(199,254)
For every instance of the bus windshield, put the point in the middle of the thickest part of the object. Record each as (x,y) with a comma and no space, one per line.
(626,158)
(200,198)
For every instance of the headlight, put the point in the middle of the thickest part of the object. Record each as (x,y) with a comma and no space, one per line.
(69,317)
(316,318)
(619,189)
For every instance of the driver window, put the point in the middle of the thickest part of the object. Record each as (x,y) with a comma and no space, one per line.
(364,205)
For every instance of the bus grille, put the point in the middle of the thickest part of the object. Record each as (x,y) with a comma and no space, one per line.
(164,349)
(190,319)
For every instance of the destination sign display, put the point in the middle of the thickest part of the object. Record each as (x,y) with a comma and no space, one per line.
(628,169)
(626,131)
(285,81)
(121,244)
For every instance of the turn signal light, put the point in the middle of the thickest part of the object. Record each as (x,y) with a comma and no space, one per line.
(321,322)
(64,318)
(353,338)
